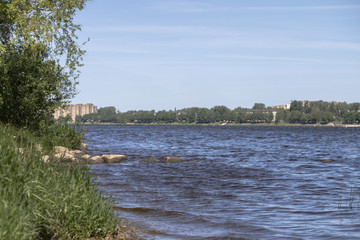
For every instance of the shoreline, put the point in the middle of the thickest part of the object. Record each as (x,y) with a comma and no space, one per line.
(227,124)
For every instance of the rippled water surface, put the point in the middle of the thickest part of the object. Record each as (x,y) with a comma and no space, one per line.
(237,182)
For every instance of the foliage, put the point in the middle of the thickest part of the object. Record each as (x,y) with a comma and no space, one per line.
(45,200)
(300,112)
(61,134)
(30,86)
(259,106)
(39,59)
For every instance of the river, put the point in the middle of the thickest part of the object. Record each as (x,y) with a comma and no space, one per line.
(237,182)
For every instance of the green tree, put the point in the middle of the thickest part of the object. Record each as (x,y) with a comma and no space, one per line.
(327,117)
(282,116)
(107,114)
(354,106)
(351,117)
(258,106)
(296,105)
(220,113)
(39,58)
(295,116)
(239,115)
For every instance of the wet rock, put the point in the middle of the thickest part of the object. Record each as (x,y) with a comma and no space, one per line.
(173,159)
(113,158)
(95,160)
(150,159)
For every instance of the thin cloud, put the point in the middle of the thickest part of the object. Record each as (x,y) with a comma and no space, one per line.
(332,45)
(164,29)
(185,6)
(199,7)
(114,49)
(219,37)
(285,59)
(302,8)
(271,58)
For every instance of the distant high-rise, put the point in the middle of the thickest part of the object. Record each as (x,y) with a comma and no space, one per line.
(75,110)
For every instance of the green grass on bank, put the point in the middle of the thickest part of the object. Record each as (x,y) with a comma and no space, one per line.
(47,200)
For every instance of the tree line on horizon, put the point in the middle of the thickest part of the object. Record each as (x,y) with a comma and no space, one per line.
(303,112)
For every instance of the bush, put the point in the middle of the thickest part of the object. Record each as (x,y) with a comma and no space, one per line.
(46,200)
(60,134)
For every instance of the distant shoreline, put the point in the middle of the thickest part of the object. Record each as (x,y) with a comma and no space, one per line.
(228,124)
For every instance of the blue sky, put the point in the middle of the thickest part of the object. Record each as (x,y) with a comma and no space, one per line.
(162,54)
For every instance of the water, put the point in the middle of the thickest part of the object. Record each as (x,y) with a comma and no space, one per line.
(238,182)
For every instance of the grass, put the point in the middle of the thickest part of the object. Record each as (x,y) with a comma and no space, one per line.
(47,200)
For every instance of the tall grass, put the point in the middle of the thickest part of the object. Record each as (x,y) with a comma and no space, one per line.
(46,200)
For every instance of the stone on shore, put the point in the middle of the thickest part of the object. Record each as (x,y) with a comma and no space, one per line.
(173,159)
(95,160)
(61,149)
(45,158)
(77,153)
(64,157)
(83,147)
(113,158)
(85,157)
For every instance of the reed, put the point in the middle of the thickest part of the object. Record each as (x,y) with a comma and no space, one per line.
(47,200)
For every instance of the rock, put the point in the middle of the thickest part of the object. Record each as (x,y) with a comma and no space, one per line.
(95,160)
(150,159)
(85,157)
(61,149)
(45,158)
(83,147)
(173,159)
(326,160)
(64,157)
(113,158)
(77,153)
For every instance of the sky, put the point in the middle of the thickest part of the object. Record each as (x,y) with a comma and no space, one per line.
(166,54)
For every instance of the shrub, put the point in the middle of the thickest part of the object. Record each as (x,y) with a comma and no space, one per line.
(46,200)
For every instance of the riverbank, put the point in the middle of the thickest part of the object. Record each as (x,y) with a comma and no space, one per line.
(282,124)
(50,200)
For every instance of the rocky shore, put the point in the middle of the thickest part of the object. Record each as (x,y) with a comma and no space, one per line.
(63,154)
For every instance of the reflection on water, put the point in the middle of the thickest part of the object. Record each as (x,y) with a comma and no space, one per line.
(238,182)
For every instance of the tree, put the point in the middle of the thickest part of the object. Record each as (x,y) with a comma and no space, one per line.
(296,106)
(327,117)
(107,114)
(295,116)
(30,86)
(354,106)
(259,106)
(39,58)
(220,113)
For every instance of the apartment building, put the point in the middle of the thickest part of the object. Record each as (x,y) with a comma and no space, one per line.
(75,110)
